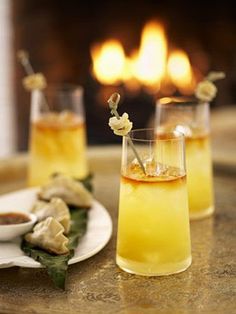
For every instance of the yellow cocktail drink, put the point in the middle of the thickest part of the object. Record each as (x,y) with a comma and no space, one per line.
(190,117)
(57,144)
(153,228)
(199,176)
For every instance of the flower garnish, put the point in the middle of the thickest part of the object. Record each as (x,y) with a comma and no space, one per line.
(121,125)
(206,90)
(32,80)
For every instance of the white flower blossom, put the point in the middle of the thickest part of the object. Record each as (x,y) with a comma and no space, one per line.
(205,91)
(214,76)
(121,126)
(34,81)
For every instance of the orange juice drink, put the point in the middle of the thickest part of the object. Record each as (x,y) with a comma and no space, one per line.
(57,144)
(153,232)
(199,174)
(153,228)
(192,119)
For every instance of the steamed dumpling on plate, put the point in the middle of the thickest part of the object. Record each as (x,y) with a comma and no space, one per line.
(72,192)
(56,208)
(48,235)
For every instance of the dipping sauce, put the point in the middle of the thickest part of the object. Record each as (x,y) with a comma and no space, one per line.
(13,218)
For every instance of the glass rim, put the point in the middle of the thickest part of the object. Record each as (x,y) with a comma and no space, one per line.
(167,136)
(179,102)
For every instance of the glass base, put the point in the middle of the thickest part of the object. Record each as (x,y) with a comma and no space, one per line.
(201,214)
(135,267)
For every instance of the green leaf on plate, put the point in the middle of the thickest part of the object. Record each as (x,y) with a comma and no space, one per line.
(79,219)
(57,265)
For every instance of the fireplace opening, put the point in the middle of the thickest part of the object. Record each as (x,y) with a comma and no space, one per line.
(142,49)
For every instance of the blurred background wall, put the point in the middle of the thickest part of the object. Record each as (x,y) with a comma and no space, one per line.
(59,35)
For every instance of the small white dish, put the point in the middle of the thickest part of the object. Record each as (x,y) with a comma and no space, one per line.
(11,231)
(99,231)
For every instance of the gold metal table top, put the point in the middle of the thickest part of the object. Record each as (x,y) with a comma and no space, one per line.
(97,285)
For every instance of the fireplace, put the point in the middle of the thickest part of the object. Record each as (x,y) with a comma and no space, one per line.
(151,70)
(152,66)
(144,50)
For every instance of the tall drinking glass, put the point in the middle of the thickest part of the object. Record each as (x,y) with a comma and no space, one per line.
(153,228)
(57,134)
(191,118)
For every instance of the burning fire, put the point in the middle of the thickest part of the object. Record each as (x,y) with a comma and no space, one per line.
(150,66)
(179,71)
(108,62)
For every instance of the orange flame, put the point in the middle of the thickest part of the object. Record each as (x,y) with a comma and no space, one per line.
(147,66)
(179,71)
(108,62)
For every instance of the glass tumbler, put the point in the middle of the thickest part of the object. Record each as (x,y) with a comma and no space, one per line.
(191,118)
(57,134)
(153,228)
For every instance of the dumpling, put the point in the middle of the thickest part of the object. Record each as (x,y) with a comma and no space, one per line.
(72,192)
(48,235)
(56,208)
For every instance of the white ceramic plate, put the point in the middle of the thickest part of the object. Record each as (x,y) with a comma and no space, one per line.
(98,232)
